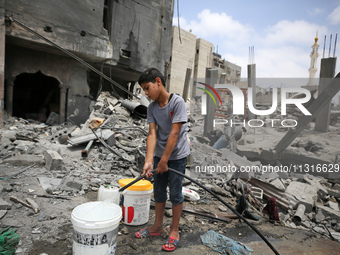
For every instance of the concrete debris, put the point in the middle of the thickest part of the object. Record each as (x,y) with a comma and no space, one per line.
(47,163)
(2,213)
(302,193)
(53,160)
(4,205)
(278,184)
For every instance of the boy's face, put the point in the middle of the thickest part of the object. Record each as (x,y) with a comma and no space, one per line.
(152,89)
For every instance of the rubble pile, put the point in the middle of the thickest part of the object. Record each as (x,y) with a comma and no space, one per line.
(47,170)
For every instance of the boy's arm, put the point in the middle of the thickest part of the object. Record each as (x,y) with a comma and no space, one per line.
(150,148)
(170,145)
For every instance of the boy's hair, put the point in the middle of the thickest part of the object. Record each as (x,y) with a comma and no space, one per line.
(150,75)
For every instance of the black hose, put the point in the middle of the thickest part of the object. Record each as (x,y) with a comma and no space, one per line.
(231,208)
(134,181)
(212,193)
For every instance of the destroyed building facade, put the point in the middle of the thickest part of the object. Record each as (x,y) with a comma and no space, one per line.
(196,54)
(118,38)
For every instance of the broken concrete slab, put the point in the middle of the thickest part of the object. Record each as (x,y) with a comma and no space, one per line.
(25,160)
(4,141)
(53,160)
(105,134)
(320,230)
(24,142)
(278,184)
(10,135)
(2,213)
(334,193)
(336,236)
(48,183)
(4,205)
(7,222)
(319,216)
(108,110)
(327,211)
(303,193)
(336,187)
(74,185)
(333,205)
(236,159)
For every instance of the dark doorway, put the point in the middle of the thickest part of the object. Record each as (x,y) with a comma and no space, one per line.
(35,96)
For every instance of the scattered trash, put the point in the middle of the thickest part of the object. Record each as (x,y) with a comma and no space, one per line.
(242,208)
(271,209)
(190,194)
(224,245)
(8,240)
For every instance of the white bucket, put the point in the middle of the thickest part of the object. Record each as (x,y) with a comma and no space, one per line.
(136,202)
(95,228)
(108,193)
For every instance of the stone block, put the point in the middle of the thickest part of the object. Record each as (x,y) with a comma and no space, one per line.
(53,161)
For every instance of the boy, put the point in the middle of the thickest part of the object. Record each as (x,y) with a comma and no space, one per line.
(166,146)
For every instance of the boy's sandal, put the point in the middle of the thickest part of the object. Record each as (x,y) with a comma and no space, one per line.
(171,240)
(144,232)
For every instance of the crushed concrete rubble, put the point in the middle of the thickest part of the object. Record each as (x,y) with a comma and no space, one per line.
(47,170)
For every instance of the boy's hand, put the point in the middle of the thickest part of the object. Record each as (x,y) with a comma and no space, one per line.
(147,168)
(162,167)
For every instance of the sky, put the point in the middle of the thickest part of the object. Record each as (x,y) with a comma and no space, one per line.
(280,31)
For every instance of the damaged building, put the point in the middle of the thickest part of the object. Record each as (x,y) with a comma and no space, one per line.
(58,56)
(190,56)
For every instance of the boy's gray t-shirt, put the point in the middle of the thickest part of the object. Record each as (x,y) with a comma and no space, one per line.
(174,112)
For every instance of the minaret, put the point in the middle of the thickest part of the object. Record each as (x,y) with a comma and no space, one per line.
(313,59)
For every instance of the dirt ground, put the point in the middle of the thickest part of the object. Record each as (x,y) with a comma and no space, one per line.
(58,240)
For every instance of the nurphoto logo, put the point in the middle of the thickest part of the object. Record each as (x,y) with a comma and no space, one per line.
(239,101)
